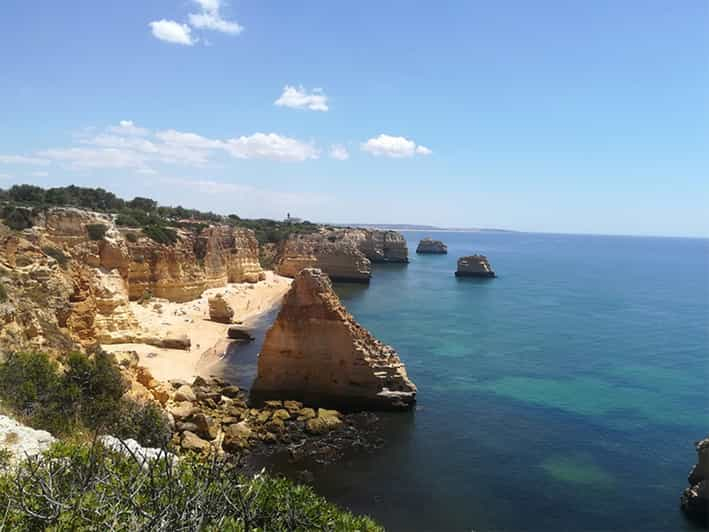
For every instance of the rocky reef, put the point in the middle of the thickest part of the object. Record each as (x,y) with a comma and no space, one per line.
(316,352)
(431,247)
(695,499)
(474,266)
(343,254)
(62,287)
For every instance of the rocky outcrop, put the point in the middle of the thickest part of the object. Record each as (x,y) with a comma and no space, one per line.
(343,254)
(695,499)
(63,287)
(431,247)
(219,310)
(335,252)
(383,246)
(474,266)
(195,263)
(316,352)
(21,441)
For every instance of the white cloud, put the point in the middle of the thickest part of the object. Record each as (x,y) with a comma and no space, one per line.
(298,98)
(128,146)
(21,159)
(127,127)
(4,177)
(174,32)
(271,146)
(39,174)
(211,19)
(395,147)
(339,152)
(214,21)
(423,150)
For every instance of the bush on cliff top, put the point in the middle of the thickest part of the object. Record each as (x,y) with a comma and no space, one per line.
(161,234)
(96,231)
(87,394)
(92,488)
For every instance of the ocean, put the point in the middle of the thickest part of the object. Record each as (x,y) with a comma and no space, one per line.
(566,394)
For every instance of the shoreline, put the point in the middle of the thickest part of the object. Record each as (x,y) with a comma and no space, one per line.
(208,339)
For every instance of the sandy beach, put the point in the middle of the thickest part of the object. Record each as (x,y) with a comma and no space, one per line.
(209,339)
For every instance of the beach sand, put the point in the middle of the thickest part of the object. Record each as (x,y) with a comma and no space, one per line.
(209,340)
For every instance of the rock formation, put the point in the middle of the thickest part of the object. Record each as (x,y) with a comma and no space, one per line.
(315,351)
(343,254)
(474,266)
(335,252)
(61,289)
(219,310)
(431,247)
(22,441)
(196,262)
(695,499)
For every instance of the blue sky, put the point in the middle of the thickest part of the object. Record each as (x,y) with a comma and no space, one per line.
(557,116)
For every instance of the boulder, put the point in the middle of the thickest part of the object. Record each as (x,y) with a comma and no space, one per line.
(22,441)
(180,341)
(207,428)
(191,442)
(239,333)
(230,391)
(316,351)
(326,421)
(185,393)
(236,437)
(220,310)
(182,410)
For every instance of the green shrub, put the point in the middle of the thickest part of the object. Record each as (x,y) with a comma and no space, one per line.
(18,218)
(131,237)
(57,254)
(96,231)
(161,234)
(144,422)
(91,488)
(127,220)
(88,394)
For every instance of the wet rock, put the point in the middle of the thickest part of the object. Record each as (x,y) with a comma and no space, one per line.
(281,414)
(694,501)
(230,391)
(306,413)
(326,421)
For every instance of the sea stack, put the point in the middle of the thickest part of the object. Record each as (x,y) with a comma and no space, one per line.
(316,352)
(474,266)
(695,499)
(428,246)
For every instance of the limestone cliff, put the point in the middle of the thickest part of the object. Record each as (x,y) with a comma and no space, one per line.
(317,352)
(196,262)
(62,288)
(344,254)
(335,252)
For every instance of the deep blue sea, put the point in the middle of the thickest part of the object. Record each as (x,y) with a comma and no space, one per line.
(565,394)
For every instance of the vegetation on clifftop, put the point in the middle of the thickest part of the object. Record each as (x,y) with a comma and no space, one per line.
(21,202)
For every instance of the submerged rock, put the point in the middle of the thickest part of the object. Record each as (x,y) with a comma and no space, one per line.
(474,266)
(431,247)
(695,499)
(315,351)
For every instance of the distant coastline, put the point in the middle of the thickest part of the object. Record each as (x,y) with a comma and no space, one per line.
(432,228)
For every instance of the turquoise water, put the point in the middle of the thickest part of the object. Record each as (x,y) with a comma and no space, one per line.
(565,394)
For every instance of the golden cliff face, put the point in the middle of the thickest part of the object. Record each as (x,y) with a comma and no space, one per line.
(317,352)
(343,254)
(61,289)
(197,262)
